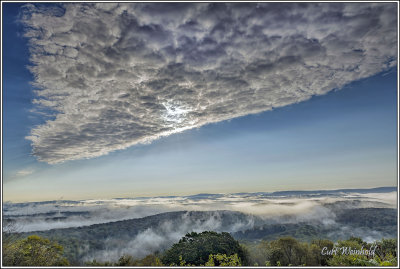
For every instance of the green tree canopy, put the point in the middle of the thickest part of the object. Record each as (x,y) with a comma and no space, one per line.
(342,258)
(195,248)
(33,251)
(288,251)
(223,260)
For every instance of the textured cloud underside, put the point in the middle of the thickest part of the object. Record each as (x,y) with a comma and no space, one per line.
(120,74)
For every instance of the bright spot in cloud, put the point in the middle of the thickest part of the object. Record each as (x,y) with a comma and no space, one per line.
(175,113)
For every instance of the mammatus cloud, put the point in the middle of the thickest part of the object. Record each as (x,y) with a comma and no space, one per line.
(115,75)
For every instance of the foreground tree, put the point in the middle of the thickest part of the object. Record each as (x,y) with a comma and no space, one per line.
(195,249)
(385,253)
(223,260)
(33,251)
(128,260)
(315,256)
(287,251)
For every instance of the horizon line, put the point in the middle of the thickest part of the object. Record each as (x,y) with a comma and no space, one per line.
(197,194)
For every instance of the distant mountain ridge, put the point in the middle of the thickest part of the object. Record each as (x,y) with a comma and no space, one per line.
(200,196)
(325,192)
(284,193)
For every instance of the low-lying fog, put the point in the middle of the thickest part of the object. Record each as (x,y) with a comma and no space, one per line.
(284,206)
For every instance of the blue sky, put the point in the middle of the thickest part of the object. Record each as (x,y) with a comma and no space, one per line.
(326,139)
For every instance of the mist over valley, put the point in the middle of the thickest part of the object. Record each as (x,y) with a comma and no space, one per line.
(108,229)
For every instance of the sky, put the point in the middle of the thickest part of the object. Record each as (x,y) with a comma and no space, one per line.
(127,100)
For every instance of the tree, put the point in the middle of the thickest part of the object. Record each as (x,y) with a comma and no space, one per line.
(195,248)
(128,260)
(223,260)
(341,258)
(33,251)
(96,263)
(259,252)
(150,260)
(288,251)
(9,237)
(386,247)
(125,260)
(386,252)
(316,257)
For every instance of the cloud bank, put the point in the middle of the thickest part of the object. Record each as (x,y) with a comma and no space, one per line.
(114,75)
(321,208)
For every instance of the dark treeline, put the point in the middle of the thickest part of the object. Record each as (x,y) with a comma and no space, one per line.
(217,249)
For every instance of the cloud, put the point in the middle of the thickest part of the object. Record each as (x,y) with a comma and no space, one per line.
(24,172)
(114,75)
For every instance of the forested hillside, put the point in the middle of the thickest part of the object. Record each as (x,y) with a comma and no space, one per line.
(157,233)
